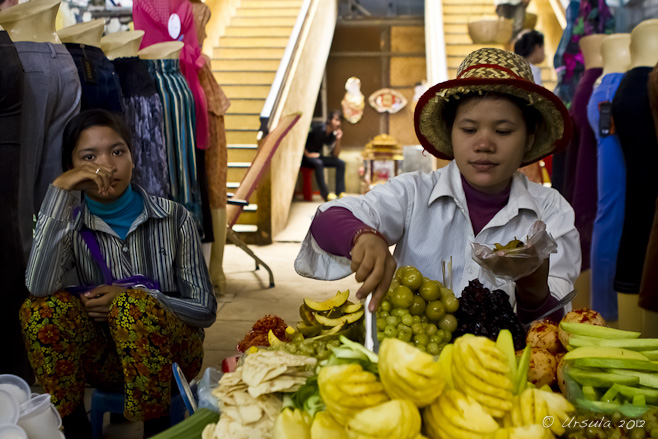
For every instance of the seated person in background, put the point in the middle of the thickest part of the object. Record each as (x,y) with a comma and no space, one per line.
(530,45)
(145,292)
(515,10)
(328,134)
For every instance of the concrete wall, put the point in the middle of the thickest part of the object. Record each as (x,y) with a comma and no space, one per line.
(302,93)
(222,10)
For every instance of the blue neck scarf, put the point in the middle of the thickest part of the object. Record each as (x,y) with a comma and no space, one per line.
(120,213)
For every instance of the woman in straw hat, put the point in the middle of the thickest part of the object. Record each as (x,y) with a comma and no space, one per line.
(489,121)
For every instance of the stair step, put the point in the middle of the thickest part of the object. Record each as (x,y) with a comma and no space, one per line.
(241,136)
(271,4)
(241,65)
(242,146)
(467,2)
(246,91)
(263,21)
(248,52)
(460,29)
(242,155)
(253,42)
(464,49)
(471,9)
(232,184)
(246,106)
(242,121)
(245,78)
(466,18)
(267,12)
(463,38)
(260,31)
(244,228)
(235,174)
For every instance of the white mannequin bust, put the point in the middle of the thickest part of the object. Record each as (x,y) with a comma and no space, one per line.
(32,21)
(88,33)
(166,50)
(644,44)
(122,44)
(616,53)
(591,48)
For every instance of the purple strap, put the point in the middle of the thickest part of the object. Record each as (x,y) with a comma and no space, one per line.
(95,250)
(137,280)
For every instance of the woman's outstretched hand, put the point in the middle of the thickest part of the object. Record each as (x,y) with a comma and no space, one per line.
(374,266)
(85,177)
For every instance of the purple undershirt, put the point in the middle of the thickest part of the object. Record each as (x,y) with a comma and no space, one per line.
(481,207)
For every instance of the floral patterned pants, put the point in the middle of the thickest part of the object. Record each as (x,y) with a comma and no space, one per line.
(133,351)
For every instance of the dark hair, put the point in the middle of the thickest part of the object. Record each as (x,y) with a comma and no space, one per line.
(334,113)
(526,43)
(88,119)
(531,115)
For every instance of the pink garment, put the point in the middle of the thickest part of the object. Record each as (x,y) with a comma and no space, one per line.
(153,16)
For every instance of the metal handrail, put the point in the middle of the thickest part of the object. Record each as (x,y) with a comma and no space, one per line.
(274,96)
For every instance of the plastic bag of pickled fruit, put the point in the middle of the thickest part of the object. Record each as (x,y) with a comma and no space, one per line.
(417,310)
(516,259)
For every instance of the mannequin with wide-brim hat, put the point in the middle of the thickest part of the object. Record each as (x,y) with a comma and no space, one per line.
(32,21)
(122,44)
(166,50)
(88,33)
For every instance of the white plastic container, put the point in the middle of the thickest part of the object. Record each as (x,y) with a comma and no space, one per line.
(9,409)
(39,418)
(16,386)
(11,431)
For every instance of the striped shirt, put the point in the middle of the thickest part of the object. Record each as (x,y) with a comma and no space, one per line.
(426,217)
(162,244)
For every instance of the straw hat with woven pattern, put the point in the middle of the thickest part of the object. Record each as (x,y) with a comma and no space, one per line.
(497,71)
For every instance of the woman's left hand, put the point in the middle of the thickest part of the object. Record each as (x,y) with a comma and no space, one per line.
(97,301)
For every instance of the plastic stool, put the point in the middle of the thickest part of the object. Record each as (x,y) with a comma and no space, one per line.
(103,402)
(307,183)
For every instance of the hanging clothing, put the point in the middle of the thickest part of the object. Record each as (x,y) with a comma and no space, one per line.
(584,18)
(218,104)
(635,127)
(131,353)
(649,285)
(178,115)
(580,183)
(12,265)
(153,17)
(99,82)
(611,193)
(143,113)
(51,98)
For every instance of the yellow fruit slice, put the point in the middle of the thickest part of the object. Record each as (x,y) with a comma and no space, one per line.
(334,302)
(346,319)
(349,307)
(273,339)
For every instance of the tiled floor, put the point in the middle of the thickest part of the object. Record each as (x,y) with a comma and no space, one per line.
(250,298)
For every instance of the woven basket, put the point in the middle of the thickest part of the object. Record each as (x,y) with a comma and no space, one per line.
(491,31)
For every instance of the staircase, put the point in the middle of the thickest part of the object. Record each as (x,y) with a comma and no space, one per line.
(456,16)
(245,63)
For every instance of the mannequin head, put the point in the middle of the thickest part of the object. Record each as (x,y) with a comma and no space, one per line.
(122,44)
(530,45)
(644,44)
(591,48)
(166,50)
(88,33)
(615,50)
(31,21)
(4,4)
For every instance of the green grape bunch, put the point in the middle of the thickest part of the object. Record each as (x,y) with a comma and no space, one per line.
(417,310)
